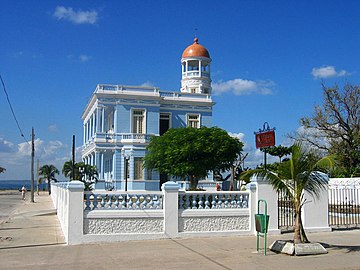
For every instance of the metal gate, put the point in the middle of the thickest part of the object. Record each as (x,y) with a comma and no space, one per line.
(344,203)
(286,212)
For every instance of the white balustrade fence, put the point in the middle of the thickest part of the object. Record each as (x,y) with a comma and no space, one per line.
(118,215)
(112,200)
(213,200)
(101,216)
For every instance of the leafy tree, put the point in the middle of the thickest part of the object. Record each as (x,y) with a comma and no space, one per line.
(48,172)
(335,125)
(190,153)
(278,151)
(300,173)
(2,169)
(83,172)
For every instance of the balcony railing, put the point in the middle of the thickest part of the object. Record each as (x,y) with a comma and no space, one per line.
(195,74)
(153,91)
(122,137)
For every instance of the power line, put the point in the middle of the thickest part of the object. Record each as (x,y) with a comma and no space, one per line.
(12,110)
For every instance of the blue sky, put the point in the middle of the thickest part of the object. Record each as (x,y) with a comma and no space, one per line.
(268,61)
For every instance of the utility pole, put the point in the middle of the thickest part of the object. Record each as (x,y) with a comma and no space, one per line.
(73,158)
(32,164)
(37,176)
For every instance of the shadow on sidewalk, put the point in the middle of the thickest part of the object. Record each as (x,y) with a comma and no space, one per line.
(35,245)
(347,249)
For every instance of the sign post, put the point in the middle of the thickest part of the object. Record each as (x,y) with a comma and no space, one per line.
(265,138)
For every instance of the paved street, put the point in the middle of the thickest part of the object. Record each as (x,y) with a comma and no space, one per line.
(35,241)
(10,204)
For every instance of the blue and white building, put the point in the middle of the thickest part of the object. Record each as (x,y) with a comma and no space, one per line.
(119,121)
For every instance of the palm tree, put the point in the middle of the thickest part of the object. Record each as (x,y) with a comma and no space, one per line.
(68,170)
(48,172)
(87,174)
(294,176)
(83,172)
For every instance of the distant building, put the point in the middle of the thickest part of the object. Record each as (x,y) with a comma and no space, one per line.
(120,120)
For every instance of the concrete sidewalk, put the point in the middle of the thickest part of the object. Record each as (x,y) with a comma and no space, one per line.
(32,239)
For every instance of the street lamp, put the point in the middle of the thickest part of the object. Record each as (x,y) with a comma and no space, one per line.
(126,162)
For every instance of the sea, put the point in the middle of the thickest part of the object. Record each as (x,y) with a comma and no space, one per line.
(17,185)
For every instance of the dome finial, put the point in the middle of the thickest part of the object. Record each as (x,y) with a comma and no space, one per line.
(196,40)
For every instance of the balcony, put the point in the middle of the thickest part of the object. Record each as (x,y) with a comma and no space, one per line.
(195,73)
(104,137)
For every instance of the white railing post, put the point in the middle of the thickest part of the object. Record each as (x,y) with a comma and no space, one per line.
(265,191)
(252,206)
(170,205)
(75,212)
(315,212)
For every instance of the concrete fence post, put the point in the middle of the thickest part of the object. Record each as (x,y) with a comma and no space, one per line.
(54,193)
(75,212)
(265,191)
(170,206)
(253,206)
(315,212)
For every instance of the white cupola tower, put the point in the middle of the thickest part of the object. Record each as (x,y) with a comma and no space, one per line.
(195,66)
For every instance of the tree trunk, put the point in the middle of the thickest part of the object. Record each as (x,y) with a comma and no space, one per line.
(231,187)
(193,182)
(49,186)
(303,236)
(297,237)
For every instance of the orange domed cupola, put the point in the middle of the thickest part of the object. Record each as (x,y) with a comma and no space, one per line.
(195,70)
(195,50)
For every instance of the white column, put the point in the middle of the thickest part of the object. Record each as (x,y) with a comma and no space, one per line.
(115,120)
(97,119)
(75,212)
(97,160)
(84,134)
(103,120)
(171,216)
(200,71)
(131,169)
(266,192)
(93,124)
(315,214)
(101,165)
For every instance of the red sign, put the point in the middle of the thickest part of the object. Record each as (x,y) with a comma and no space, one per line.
(265,139)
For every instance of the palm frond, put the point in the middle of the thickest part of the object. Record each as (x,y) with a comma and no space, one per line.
(326,163)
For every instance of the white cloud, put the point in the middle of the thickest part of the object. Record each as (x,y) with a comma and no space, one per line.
(53,128)
(6,146)
(16,158)
(240,136)
(147,84)
(327,72)
(81,58)
(77,17)
(243,87)
(84,58)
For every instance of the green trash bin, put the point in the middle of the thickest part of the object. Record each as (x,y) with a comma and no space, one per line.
(260,223)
